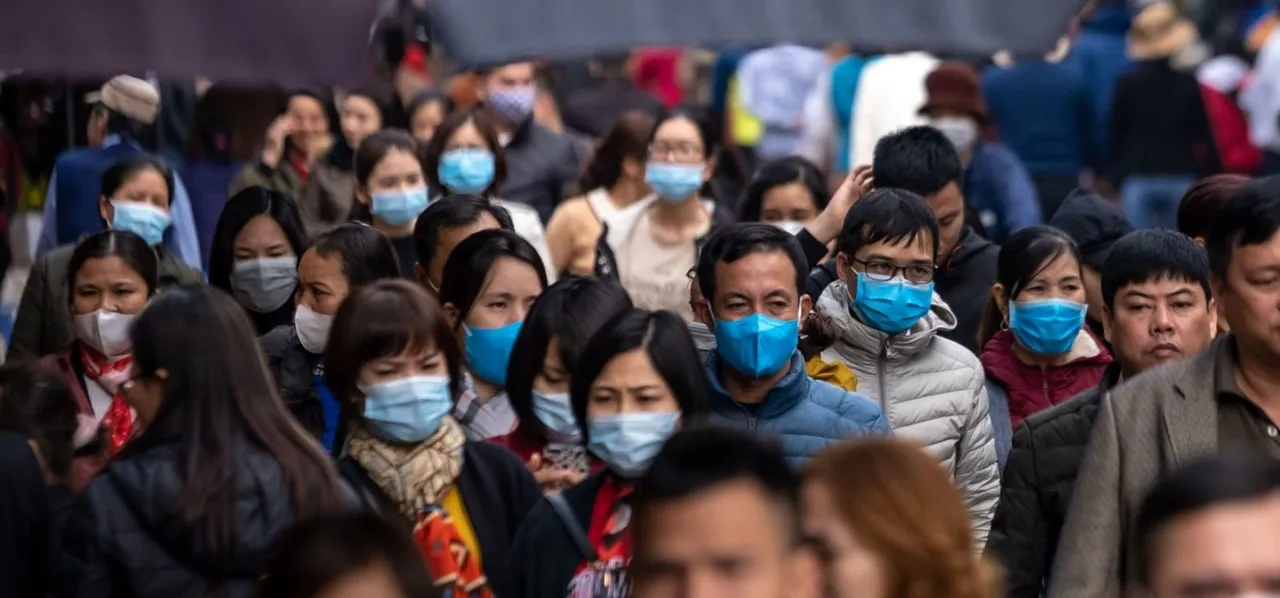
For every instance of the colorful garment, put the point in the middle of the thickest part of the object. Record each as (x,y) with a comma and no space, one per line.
(111,376)
(610,533)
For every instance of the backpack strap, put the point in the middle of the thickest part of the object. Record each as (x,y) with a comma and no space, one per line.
(571,525)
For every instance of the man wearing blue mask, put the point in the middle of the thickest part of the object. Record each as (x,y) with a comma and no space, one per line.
(751,276)
(889,325)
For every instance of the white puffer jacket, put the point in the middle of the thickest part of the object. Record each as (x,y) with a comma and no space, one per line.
(933,392)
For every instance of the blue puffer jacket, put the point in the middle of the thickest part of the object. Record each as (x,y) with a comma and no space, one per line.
(805,414)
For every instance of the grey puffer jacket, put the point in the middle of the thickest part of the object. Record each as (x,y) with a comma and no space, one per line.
(932,390)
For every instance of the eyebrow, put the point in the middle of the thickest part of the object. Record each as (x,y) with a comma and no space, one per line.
(884,258)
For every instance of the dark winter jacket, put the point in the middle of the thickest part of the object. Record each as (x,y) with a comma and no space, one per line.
(964,280)
(1036,488)
(294,370)
(1159,125)
(544,556)
(542,168)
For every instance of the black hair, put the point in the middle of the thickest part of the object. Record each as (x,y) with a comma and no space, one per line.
(778,173)
(1228,477)
(451,212)
(376,147)
(1251,217)
(1203,200)
(217,396)
(1153,254)
(425,98)
(737,241)
(696,461)
(317,552)
(466,273)
(887,215)
(918,159)
(130,248)
(627,138)
(40,407)
(1022,257)
(240,209)
(126,127)
(664,337)
(365,253)
(488,132)
(569,311)
(120,172)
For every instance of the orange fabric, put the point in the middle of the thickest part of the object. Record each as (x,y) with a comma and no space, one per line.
(833,373)
(449,561)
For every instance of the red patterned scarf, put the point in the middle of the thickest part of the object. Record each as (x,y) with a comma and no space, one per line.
(111,375)
(610,534)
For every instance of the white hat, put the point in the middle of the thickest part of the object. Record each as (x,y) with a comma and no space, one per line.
(132,97)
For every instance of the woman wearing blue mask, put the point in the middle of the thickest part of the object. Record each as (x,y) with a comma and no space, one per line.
(396,369)
(136,192)
(255,255)
(1037,352)
(637,382)
(466,158)
(490,283)
(651,244)
(391,190)
(547,437)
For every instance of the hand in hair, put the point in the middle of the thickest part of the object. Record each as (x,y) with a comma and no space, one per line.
(826,227)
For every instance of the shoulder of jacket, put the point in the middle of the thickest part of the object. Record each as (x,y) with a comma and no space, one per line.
(946,348)
(1058,414)
(275,342)
(491,456)
(840,401)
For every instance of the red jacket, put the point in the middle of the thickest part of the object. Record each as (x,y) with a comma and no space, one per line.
(1032,388)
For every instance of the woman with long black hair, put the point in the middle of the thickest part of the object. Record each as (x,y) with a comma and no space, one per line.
(255,254)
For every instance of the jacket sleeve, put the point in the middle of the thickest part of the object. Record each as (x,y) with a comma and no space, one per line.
(526,562)
(1019,532)
(1017,194)
(28,327)
(1087,564)
(84,568)
(977,474)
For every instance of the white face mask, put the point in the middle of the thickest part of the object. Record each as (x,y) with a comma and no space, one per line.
(791,226)
(482,421)
(312,329)
(105,331)
(960,131)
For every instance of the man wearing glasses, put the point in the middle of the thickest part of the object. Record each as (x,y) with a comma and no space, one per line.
(889,325)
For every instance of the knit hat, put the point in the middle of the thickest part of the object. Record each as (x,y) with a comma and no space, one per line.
(955,86)
(132,97)
(1159,32)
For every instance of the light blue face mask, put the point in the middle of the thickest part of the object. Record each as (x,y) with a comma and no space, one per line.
(489,351)
(629,442)
(673,182)
(142,219)
(1046,326)
(892,306)
(467,171)
(399,207)
(556,413)
(407,410)
(757,346)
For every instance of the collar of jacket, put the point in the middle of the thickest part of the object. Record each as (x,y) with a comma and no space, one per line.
(857,342)
(969,244)
(785,395)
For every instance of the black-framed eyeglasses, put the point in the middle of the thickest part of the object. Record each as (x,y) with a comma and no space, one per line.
(882,270)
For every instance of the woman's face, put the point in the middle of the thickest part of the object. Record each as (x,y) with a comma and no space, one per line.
(630,384)
(677,141)
(109,284)
(1060,279)
(262,237)
(554,377)
(466,137)
(309,121)
(425,120)
(360,119)
(850,569)
(144,186)
(789,202)
(399,169)
(509,292)
(322,286)
(427,360)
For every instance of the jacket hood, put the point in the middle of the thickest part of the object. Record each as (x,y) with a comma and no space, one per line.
(1109,20)
(784,395)
(858,342)
(1093,222)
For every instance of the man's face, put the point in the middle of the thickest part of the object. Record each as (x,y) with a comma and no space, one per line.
(518,74)
(760,282)
(948,206)
(729,541)
(1157,321)
(448,239)
(1250,296)
(907,258)
(1229,550)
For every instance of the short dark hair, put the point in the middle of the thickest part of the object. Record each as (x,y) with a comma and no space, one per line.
(425,98)
(777,173)
(467,270)
(120,172)
(887,216)
(240,209)
(385,319)
(664,337)
(130,248)
(710,149)
(316,552)
(570,311)
(1251,217)
(365,254)
(39,406)
(451,212)
(1224,478)
(450,125)
(1021,258)
(918,159)
(737,241)
(695,461)
(1203,200)
(1152,254)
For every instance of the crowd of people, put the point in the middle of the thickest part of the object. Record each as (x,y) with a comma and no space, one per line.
(480,356)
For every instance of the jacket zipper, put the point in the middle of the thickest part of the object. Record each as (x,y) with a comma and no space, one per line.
(751,419)
(880,368)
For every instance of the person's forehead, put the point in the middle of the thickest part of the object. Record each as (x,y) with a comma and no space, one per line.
(920,247)
(733,515)
(1161,285)
(948,199)
(763,266)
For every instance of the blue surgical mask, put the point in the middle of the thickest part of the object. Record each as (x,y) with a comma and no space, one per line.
(467,171)
(1046,326)
(757,346)
(399,207)
(891,306)
(142,219)
(673,182)
(489,351)
(407,410)
(556,413)
(628,442)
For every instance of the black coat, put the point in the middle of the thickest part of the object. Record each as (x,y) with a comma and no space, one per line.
(542,168)
(1048,448)
(497,492)
(294,370)
(1159,124)
(544,557)
(964,284)
(28,526)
